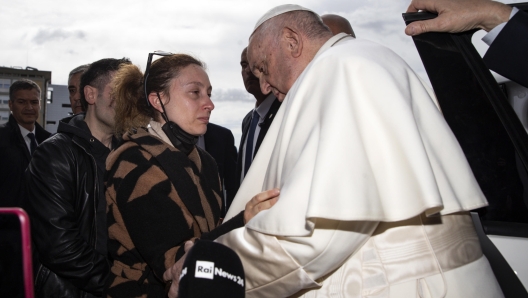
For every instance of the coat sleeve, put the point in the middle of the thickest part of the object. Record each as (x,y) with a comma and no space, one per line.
(51,184)
(507,53)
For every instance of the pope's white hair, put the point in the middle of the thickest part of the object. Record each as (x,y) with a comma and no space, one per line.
(305,22)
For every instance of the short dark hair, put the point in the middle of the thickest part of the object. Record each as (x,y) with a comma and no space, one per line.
(22,84)
(98,75)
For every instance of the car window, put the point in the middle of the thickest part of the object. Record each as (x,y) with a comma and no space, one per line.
(489,131)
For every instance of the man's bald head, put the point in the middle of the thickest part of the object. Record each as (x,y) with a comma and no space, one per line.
(282,46)
(337,24)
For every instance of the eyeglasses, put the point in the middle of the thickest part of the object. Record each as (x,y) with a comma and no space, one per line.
(149,61)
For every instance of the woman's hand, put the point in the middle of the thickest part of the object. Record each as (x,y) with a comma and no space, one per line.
(172,274)
(261,201)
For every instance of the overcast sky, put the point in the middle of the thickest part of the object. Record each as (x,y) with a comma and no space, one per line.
(59,35)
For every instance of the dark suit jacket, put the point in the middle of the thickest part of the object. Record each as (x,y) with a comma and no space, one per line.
(508,53)
(263,130)
(14,159)
(220,143)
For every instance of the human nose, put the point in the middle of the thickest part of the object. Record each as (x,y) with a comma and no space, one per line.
(247,71)
(209,105)
(265,87)
(276,93)
(28,105)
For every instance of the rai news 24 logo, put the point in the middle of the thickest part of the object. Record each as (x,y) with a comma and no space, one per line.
(206,269)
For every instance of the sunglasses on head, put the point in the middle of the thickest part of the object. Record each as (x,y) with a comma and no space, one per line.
(149,62)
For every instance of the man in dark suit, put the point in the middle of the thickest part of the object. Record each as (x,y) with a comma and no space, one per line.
(257,122)
(507,52)
(507,27)
(220,143)
(18,138)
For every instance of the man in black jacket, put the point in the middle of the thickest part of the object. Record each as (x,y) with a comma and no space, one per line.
(67,198)
(15,144)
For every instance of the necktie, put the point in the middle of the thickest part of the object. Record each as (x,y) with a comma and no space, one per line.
(249,144)
(33,144)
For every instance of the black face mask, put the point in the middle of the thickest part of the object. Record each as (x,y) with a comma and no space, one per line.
(179,138)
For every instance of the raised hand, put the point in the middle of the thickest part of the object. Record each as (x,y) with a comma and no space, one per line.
(458,15)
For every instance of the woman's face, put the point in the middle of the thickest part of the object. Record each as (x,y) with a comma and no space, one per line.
(190,102)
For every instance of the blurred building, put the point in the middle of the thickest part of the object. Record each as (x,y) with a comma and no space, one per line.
(58,107)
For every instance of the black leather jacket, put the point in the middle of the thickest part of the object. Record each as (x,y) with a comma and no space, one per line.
(66,190)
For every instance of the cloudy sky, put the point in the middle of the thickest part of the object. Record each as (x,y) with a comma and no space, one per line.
(60,35)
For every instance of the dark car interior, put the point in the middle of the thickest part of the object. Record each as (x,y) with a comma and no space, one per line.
(490,133)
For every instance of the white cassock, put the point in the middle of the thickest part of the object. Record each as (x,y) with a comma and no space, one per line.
(374,188)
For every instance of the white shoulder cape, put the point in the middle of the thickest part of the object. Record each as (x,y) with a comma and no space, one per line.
(357,138)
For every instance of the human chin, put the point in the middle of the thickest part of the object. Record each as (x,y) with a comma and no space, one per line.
(280,96)
(201,129)
(76,106)
(77,109)
(197,130)
(201,132)
(29,118)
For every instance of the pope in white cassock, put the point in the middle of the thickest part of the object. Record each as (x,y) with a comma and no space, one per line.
(374,186)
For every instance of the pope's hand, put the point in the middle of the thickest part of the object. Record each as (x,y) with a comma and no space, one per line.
(261,201)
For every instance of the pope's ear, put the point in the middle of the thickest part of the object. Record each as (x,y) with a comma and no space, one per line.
(90,93)
(155,101)
(293,40)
